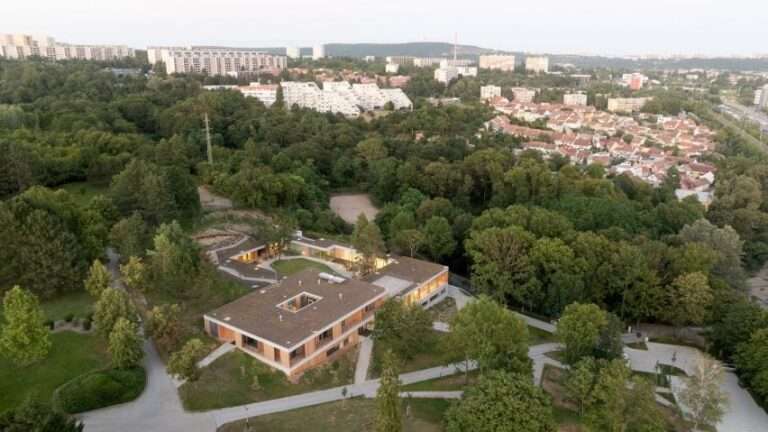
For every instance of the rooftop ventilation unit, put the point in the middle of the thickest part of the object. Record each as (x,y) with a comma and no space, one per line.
(331,278)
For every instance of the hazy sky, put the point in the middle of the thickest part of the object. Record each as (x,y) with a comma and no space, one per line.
(551,26)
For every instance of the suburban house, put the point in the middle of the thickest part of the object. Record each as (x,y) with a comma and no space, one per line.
(300,322)
(412,280)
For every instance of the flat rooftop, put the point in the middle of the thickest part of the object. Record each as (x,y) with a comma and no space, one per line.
(403,274)
(264,314)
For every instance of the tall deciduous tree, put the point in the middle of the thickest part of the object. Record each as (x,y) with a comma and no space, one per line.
(579,330)
(134,273)
(689,298)
(502,402)
(752,362)
(388,413)
(24,338)
(438,238)
(703,397)
(183,363)
(164,326)
(125,344)
(98,279)
(112,305)
(367,240)
(37,417)
(404,329)
(580,381)
(491,335)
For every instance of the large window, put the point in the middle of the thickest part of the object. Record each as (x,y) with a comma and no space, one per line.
(325,336)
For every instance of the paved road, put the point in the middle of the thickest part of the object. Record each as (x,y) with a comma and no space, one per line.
(742,415)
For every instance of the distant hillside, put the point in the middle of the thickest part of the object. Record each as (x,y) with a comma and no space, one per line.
(416,49)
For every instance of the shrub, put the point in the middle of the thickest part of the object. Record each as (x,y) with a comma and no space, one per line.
(100,389)
(87,323)
(50,324)
(69,317)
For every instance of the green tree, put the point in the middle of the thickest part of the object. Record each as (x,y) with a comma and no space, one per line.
(37,417)
(130,237)
(388,415)
(702,396)
(183,363)
(492,335)
(405,329)
(367,240)
(408,241)
(438,238)
(98,279)
(164,325)
(752,362)
(580,381)
(134,273)
(112,305)
(579,330)
(726,242)
(500,263)
(24,338)
(175,259)
(738,322)
(502,402)
(688,300)
(125,344)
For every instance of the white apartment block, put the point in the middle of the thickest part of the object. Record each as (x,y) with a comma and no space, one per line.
(215,61)
(392,68)
(341,97)
(22,46)
(489,92)
(537,64)
(764,97)
(459,63)
(293,52)
(401,60)
(467,71)
(446,75)
(626,105)
(504,63)
(266,93)
(318,52)
(427,61)
(523,95)
(579,99)
(758,97)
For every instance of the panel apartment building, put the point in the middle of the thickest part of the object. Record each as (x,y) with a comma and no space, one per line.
(22,46)
(504,63)
(216,61)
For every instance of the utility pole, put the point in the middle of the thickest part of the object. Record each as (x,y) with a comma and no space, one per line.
(208,140)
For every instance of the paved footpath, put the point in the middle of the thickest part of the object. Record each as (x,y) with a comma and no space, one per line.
(363,360)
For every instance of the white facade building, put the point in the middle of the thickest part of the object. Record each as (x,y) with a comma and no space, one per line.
(579,99)
(22,46)
(266,93)
(341,97)
(427,61)
(764,97)
(293,52)
(318,52)
(489,92)
(216,60)
(537,64)
(504,63)
(758,97)
(446,74)
(392,68)
(626,105)
(523,95)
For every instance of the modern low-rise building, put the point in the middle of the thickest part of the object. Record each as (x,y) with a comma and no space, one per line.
(523,94)
(504,63)
(302,321)
(537,64)
(412,280)
(266,93)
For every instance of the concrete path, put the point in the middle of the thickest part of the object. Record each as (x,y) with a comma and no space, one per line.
(215,354)
(242,277)
(432,394)
(157,409)
(537,354)
(742,414)
(441,326)
(363,360)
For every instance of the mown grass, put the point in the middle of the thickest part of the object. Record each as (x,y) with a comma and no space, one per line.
(71,355)
(237,378)
(351,415)
(292,266)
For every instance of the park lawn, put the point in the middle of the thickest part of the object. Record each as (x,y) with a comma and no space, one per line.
(82,192)
(71,355)
(229,381)
(288,267)
(457,381)
(351,415)
(538,336)
(430,355)
(78,304)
